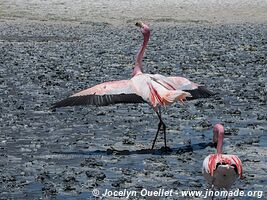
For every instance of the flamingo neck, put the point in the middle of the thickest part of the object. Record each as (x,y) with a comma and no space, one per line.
(218,135)
(219,146)
(138,62)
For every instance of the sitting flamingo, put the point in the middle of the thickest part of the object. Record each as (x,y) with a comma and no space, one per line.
(221,170)
(156,90)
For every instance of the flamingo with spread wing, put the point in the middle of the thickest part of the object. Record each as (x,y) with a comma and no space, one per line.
(154,89)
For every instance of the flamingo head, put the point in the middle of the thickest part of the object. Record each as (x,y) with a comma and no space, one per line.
(218,134)
(144,28)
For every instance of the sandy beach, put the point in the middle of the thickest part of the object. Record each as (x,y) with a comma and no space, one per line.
(51,49)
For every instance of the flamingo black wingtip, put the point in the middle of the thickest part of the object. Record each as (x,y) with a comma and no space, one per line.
(200,92)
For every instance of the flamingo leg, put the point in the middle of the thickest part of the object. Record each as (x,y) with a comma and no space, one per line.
(227,195)
(161,123)
(164,132)
(154,141)
(213,190)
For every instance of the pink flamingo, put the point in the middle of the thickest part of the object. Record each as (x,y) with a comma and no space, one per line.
(221,170)
(156,90)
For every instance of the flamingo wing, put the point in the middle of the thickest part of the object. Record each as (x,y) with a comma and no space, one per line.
(103,94)
(212,161)
(196,91)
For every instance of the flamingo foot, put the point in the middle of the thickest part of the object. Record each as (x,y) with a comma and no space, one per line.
(166,149)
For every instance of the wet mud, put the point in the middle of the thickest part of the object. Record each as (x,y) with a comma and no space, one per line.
(65,153)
